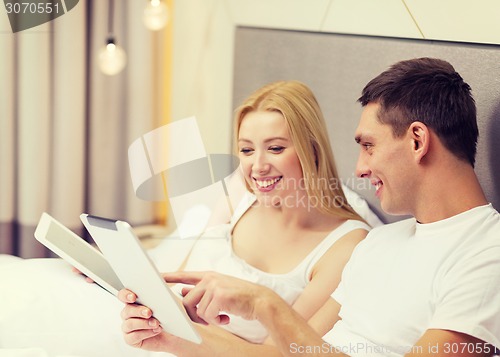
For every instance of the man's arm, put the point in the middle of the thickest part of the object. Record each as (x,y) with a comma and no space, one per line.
(290,332)
(438,343)
(215,294)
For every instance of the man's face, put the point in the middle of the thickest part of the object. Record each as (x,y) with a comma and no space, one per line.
(386,161)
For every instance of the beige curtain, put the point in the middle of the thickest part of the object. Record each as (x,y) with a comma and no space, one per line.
(65,127)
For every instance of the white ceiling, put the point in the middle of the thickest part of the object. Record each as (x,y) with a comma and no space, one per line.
(452,20)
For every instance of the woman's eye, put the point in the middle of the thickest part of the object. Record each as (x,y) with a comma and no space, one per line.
(246,151)
(276,149)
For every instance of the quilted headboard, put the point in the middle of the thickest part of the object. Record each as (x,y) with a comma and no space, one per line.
(337,67)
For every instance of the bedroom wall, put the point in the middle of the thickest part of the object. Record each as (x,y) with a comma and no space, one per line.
(337,67)
(202,82)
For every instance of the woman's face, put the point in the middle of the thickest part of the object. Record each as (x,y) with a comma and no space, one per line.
(268,158)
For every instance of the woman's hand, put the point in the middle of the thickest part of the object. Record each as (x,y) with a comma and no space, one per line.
(212,294)
(138,324)
(76,271)
(142,330)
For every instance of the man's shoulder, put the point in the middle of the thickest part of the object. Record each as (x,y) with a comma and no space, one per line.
(490,217)
(389,234)
(486,228)
(402,226)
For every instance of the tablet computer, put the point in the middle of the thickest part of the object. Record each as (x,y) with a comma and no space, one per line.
(77,252)
(124,252)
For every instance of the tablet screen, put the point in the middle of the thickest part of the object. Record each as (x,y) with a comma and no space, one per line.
(125,254)
(77,252)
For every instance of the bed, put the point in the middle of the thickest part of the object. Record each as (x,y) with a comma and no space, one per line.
(49,311)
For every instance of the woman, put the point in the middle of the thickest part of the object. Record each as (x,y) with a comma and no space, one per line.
(296,231)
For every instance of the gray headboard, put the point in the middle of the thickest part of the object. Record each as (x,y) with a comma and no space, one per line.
(337,67)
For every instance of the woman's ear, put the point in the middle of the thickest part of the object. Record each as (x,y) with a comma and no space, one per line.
(420,137)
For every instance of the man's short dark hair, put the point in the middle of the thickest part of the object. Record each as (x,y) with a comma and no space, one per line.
(428,90)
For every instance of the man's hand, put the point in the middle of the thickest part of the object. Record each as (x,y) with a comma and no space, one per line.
(215,294)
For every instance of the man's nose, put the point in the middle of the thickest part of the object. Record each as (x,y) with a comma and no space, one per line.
(362,169)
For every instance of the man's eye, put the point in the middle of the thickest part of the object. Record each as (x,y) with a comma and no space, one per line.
(276,149)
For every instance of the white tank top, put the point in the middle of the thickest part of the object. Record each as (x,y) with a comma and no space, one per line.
(289,285)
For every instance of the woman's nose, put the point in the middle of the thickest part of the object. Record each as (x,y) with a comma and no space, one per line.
(261,164)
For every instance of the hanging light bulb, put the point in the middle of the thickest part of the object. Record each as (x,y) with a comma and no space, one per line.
(112,58)
(155,15)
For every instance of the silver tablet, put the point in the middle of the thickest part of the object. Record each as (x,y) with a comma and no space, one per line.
(125,254)
(77,252)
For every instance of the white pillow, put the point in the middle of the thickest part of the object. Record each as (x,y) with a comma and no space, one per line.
(360,205)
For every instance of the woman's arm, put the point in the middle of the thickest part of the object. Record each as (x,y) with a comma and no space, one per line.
(326,317)
(326,274)
(325,278)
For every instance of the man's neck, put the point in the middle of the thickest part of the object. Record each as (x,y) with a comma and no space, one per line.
(448,192)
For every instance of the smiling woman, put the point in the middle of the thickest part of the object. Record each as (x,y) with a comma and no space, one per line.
(268,157)
(302,126)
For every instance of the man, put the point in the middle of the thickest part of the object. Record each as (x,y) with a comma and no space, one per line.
(428,286)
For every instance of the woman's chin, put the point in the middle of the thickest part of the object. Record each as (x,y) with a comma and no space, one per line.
(268,199)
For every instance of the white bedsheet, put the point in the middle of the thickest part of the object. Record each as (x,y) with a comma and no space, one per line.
(47,310)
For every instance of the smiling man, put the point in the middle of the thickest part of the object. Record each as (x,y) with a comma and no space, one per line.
(425,286)
(425,281)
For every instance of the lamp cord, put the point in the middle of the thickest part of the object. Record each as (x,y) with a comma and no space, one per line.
(111,11)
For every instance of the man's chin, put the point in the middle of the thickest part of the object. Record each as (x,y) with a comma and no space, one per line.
(394,211)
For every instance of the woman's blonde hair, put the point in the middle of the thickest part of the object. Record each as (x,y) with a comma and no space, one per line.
(305,122)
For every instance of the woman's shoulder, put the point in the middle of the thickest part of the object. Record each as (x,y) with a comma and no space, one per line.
(352,224)
(246,201)
(350,227)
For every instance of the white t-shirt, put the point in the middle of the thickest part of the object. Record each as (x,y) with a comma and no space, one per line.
(406,277)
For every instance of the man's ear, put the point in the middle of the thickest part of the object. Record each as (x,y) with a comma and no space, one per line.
(420,136)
